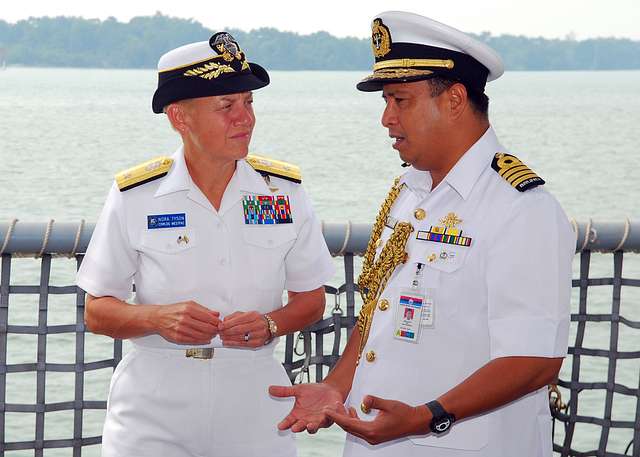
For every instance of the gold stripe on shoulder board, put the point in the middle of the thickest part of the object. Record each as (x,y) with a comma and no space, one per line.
(278,168)
(143,173)
(516,173)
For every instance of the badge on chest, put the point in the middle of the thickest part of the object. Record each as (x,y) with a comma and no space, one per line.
(160,221)
(447,233)
(409,316)
(414,310)
(266,209)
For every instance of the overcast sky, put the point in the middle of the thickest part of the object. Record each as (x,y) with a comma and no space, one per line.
(548,18)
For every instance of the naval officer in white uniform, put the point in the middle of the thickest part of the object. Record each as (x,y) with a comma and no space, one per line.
(459,337)
(211,238)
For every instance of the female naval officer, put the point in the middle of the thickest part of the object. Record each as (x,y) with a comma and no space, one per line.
(211,238)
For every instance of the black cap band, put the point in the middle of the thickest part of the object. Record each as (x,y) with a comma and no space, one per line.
(407,62)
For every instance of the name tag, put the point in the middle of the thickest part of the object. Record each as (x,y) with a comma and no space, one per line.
(158,221)
(428,311)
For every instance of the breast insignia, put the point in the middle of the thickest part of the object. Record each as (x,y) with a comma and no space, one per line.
(143,173)
(271,167)
(515,172)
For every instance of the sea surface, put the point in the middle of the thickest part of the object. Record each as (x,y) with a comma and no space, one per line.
(65,132)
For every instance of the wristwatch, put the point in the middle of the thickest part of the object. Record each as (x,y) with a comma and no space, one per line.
(441,420)
(273,328)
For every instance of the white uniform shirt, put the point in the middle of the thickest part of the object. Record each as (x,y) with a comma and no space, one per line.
(215,259)
(507,294)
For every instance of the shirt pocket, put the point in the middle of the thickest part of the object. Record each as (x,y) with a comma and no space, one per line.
(265,249)
(445,258)
(171,241)
(269,237)
(442,278)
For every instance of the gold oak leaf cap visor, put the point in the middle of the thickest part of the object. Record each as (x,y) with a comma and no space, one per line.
(409,47)
(206,68)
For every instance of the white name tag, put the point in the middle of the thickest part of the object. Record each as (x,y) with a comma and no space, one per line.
(428,312)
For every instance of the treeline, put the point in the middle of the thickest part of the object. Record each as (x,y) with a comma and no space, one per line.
(78,42)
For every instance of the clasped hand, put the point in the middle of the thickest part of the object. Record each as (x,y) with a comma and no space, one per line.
(191,323)
(244,329)
(186,323)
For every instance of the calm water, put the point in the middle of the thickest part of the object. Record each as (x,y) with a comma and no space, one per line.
(64,133)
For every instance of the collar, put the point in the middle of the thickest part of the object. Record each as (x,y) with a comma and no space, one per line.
(466,172)
(418,182)
(244,180)
(178,178)
(249,180)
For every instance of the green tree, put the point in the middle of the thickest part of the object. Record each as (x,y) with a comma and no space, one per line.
(77,42)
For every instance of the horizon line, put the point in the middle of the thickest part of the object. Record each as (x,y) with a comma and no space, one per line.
(570,36)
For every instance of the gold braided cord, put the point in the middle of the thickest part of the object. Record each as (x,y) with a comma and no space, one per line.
(376,232)
(410,63)
(375,275)
(399,73)
(392,255)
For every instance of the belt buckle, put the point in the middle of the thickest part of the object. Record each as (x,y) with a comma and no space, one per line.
(199,353)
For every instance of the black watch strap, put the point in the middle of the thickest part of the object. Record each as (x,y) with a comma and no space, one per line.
(441,420)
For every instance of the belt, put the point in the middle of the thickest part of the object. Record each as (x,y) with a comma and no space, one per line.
(207,353)
(199,353)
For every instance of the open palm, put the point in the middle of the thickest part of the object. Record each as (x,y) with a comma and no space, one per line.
(311,399)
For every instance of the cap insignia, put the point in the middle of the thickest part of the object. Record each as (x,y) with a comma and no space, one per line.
(228,50)
(226,46)
(515,172)
(380,38)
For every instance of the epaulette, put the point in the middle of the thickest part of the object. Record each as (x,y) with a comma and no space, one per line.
(143,173)
(277,168)
(515,172)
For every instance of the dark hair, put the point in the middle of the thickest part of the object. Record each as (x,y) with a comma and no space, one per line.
(478,100)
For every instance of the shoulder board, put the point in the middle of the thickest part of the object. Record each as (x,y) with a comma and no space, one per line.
(277,168)
(143,173)
(515,172)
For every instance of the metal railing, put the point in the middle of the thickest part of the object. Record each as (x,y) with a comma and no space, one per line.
(305,358)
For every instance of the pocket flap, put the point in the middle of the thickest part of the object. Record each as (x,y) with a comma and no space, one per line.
(268,236)
(445,257)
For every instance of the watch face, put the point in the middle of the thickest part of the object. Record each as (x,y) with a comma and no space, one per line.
(442,425)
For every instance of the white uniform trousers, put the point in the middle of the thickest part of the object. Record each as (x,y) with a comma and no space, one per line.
(162,403)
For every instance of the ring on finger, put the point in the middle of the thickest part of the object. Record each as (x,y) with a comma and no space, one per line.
(247,336)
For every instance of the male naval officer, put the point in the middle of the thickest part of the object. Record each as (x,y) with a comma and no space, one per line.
(466,278)
(211,237)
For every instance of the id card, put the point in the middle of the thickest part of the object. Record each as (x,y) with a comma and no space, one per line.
(409,315)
